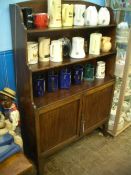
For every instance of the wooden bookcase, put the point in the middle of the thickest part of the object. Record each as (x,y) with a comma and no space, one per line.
(59,118)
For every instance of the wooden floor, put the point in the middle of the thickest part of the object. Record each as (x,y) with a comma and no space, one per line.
(93,155)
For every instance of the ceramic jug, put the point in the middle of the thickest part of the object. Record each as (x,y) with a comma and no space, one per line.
(77,48)
(79,14)
(103,16)
(44,49)
(56,53)
(100,70)
(91,16)
(67,15)
(95,43)
(106,44)
(32,50)
(54,12)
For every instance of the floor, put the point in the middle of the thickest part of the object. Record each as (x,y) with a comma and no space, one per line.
(93,155)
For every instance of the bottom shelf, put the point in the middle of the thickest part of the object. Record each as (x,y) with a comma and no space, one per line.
(61,94)
(126,125)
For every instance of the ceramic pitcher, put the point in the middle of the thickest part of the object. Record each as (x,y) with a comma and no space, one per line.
(44,49)
(106,44)
(79,14)
(54,12)
(67,15)
(56,53)
(91,16)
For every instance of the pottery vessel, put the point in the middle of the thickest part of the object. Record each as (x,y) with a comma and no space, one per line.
(106,44)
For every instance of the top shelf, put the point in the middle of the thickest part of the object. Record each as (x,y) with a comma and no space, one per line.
(30,31)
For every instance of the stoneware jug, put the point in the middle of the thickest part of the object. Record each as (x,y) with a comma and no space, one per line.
(32,50)
(56,53)
(103,16)
(95,43)
(77,48)
(67,14)
(91,16)
(44,49)
(79,14)
(106,44)
(54,12)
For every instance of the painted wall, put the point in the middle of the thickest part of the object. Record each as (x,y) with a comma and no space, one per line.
(7,76)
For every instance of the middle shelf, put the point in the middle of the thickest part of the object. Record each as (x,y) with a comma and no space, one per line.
(41,66)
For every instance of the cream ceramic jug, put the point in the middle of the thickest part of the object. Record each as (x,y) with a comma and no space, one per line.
(67,15)
(106,44)
(103,16)
(56,54)
(79,14)
(91,16)
(44,49)
(95,43)
(77,48)
(54,12)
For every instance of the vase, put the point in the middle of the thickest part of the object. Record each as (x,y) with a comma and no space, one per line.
(106,44)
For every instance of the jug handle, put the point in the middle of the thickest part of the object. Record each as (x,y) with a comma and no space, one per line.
(63,14)
(52,50)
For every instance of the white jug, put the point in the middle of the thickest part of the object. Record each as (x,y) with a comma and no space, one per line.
(54,12)
(91,16)
(44,49)
(79,14)
(67,15)
(95,43)
(56,54)
(103,16)
(77,48)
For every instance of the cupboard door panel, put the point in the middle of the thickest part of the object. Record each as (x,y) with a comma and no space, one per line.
(59,125)
(96,107)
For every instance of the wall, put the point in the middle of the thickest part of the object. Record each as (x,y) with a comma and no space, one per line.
(6,54)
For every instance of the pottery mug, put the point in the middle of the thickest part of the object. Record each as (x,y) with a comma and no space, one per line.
(41,20)
(52,81)
(28,17)
(64,79)
(44,49)
(32,51)
(77,74)
(39,87)
(89,72)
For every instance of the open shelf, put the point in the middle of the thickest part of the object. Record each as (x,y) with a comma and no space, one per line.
(29,31)
(61,94)
(41,66)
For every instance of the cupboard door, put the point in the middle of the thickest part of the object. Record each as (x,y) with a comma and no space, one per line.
(59,126)
(96,107)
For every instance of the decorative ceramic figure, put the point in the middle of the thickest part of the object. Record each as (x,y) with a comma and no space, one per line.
(12,116)
(106,44)
(91,16)
(103,16)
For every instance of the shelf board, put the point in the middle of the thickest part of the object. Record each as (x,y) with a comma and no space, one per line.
(31,31)
(61,94)
(126,125)
(41,66)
